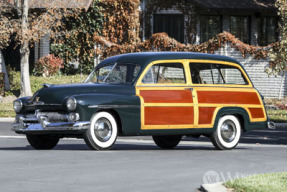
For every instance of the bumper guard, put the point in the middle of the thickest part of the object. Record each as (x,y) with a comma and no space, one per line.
(42,124)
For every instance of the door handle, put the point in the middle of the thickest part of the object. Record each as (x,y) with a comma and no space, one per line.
(191,89)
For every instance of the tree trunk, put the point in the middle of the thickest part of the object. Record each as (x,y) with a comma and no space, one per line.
(3,70)
(25,76)
(24,54)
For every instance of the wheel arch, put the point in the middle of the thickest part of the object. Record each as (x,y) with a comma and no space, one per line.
(117,117)
(238,112)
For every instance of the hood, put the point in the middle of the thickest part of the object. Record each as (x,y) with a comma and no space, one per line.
(57,94)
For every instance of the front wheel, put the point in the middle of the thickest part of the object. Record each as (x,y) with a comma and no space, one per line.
(227,133)
(167,142)
(42,141)
(103,131)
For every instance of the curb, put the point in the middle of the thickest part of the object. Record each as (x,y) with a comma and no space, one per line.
(213,187)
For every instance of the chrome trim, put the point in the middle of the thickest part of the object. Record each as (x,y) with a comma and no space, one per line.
(271,125)
(46,126)
(41,123)
(46,85)
(113,106)
(21,105)
(74,101)
(42,103)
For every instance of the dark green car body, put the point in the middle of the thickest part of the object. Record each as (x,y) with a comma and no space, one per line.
(120,100)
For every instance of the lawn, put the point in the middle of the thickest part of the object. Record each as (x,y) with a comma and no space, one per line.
(278,116)
(259,183)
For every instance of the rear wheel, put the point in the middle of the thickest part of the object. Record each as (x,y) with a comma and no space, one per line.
(103,131)
(42,141)
(227,134)
(167,142)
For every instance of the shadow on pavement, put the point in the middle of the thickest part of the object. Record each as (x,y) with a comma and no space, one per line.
(277,136)
(266,136)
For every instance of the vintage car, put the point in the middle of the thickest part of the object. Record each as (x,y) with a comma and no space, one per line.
(163,94)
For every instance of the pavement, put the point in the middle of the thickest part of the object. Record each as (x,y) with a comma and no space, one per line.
(136,164)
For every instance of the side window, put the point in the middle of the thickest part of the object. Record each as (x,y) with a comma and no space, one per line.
(102,73)
(233,76)
(205,73)
(165,73)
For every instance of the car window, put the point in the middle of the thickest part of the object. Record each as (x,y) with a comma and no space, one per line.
(206,73)
(118,73)
(165,73)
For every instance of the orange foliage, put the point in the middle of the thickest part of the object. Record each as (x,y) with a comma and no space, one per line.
(162,42)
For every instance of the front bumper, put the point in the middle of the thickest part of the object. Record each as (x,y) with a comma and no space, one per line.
(42,125)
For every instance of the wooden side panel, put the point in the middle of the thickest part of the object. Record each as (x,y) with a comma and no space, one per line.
(166,96)
(228,97)
(168,115)
(205,115)
(256,112)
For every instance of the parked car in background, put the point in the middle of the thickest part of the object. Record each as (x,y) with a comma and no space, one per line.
(163,94)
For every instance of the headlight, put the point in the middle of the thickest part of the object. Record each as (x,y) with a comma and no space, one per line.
(17,105)
(71,104)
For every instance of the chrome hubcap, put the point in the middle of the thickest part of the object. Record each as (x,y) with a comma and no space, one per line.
(228,131)
(103,129)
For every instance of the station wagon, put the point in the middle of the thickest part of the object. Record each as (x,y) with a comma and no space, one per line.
(166,95)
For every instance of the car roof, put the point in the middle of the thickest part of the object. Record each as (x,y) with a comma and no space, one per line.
(144,58)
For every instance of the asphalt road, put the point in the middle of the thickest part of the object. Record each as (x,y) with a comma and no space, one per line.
(135,163)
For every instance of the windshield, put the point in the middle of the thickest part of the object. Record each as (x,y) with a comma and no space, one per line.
(116,73)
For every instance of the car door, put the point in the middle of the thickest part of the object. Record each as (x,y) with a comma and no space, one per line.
(166,96)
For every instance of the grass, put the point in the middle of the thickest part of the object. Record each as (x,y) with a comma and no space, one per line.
(36,81)
(275,182)
(277,116)
(6,110)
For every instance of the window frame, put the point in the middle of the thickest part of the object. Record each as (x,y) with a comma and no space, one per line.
(248,26)
(181,28)
(240,68)
(260,30)
(148,67)
(201,26)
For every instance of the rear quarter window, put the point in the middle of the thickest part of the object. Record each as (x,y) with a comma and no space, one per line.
(208,73)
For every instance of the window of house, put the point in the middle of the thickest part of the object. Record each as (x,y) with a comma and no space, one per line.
(267,33)
(172,24)
(205,73)
(210,26)
(165,73)
(240,28)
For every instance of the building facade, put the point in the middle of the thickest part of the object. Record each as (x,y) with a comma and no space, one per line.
(254,22)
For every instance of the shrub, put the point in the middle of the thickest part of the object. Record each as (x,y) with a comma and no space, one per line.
(48,65)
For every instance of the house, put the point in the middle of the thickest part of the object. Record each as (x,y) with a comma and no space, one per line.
(253,22)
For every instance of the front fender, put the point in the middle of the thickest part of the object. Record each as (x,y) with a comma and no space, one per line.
(126,106)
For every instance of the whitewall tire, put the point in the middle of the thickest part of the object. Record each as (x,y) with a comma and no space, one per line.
(227,134)
(103,131)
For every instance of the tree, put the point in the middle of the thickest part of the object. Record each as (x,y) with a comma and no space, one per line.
(278,54)
(78,45)
(20,17)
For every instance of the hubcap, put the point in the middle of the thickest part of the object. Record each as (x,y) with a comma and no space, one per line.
(103,129)
(228,131)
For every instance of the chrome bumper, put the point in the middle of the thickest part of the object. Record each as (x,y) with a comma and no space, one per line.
(271,125)
(42,124)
